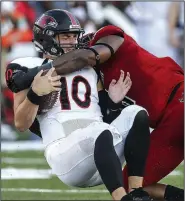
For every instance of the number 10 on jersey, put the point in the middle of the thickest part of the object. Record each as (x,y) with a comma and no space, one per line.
(64,94)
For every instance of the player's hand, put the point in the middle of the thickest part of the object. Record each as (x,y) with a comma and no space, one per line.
(118,89)
(43,85)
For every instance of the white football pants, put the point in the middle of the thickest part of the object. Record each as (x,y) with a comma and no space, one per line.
(72,158)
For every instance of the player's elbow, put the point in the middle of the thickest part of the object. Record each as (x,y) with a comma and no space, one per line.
(20,126)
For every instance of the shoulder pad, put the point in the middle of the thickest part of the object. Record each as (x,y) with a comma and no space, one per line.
(106,31)
(29,62)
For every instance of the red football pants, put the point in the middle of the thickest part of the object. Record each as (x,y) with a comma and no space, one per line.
(166,150)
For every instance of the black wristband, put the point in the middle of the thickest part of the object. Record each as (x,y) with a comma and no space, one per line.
(33,97)
(114,106)
(97,56)
(108,46)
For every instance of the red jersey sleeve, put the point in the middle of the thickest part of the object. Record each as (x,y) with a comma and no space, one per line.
(105,31)
(129,45)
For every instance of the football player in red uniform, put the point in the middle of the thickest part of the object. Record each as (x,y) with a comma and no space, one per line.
(158,86)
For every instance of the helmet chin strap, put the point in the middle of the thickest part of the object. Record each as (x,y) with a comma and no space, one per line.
(40,47)
(51,47)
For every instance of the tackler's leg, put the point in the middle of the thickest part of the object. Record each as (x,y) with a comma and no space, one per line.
(133,125)
(166,150)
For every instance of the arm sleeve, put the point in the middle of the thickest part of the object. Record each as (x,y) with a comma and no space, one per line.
(108,115)
(111,110)
(14,74)
(19,77)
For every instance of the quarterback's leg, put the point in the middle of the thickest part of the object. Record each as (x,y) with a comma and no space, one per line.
(71,157)
(108,165)
(166,150)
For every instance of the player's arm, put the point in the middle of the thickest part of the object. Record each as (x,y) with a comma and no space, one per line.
(19,77)
(112,100)
(75,60)
(104,44)
(24,111)
(106,103)
(99,53)
(26,102)
(102,94)
(21,103)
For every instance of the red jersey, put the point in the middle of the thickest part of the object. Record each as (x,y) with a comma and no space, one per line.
(153,78)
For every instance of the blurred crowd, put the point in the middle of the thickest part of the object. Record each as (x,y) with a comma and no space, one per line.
(156,26)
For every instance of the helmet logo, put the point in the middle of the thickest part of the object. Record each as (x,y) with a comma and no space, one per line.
(53,50)
(46,20)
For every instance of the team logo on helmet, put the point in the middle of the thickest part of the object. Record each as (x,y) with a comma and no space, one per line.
(45,21)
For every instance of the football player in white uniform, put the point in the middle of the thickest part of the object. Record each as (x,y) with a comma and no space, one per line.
(80,148)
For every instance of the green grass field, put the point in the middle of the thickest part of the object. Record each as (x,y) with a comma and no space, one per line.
(17,167)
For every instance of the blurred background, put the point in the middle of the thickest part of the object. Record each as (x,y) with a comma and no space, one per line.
(156,26)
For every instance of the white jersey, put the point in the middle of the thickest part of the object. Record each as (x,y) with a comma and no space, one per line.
(77,101)
(29,62)
(76,107)
(78,98)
